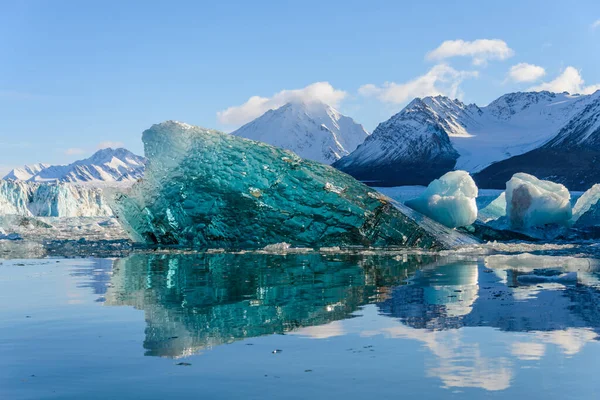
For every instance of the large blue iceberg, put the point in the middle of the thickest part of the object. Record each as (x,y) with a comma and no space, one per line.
(207,189)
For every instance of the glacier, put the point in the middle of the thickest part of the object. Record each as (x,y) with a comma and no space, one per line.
(532,202)
(51,200)
(207,189)
(449,200)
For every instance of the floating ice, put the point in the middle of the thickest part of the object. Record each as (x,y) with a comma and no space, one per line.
(587,210)
(532,202)
(450,200)
(207,189)
(495,210)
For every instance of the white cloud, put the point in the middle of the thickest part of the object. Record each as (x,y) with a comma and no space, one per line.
(596,24)
(74,151)
(480,50)
(441,79)
(524,72)
(256,105)
(107,144)
(569,80)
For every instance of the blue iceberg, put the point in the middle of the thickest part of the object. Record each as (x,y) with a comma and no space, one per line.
(208,189)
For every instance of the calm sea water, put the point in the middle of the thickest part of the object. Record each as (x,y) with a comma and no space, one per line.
(256,326)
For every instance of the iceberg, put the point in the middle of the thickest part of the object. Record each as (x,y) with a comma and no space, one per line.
(532,202)
(586,212)
(449,200)
(207,189)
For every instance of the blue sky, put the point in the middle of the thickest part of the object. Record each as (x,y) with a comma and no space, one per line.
(76,76)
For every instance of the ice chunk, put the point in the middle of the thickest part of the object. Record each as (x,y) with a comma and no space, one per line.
(532,202)
(207,189)
(449,200)
(587,210)
(495,210)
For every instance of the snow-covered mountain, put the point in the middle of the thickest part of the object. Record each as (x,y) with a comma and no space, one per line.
(105,166)
(436,134)
(312,130)
(26,172)
(570,157)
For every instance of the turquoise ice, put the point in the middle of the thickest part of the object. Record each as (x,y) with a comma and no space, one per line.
(208,189)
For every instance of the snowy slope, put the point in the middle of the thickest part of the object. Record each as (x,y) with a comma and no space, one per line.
(104,166)
(571,157)
(476,137)
(515,124)
(312,130)
(410,148)
(25,173)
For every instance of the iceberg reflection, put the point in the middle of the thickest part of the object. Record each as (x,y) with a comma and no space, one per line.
(194,302)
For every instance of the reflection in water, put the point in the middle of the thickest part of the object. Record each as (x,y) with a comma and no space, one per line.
(194,302)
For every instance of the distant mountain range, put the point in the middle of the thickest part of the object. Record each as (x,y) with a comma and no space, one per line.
(105,166)
(554,136)
(312,130)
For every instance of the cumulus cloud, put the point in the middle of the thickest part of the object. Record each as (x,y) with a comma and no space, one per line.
(480,50)
(570,80)
(74,151)
(596,24)
(256,105)
(107,144)
(441,79)
(524,72)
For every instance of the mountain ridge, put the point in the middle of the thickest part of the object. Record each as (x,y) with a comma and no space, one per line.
(104,166)
(476,138)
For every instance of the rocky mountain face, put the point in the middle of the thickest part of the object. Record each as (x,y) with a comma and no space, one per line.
(571,157)
(434,135)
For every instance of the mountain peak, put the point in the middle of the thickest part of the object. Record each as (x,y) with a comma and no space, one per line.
(312,129)
(432,127)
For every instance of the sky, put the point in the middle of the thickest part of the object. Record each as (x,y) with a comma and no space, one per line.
(76,76)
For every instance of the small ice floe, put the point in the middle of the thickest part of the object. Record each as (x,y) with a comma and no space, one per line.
(277,247)
(550,276)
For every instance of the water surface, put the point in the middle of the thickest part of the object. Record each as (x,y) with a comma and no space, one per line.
(297,326)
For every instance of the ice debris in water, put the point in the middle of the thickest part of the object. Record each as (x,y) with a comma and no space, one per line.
(532,202)
(449,200)
(587,210)
(208,189)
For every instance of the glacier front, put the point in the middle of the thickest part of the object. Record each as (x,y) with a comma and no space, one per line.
(207,189)
(34,199)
